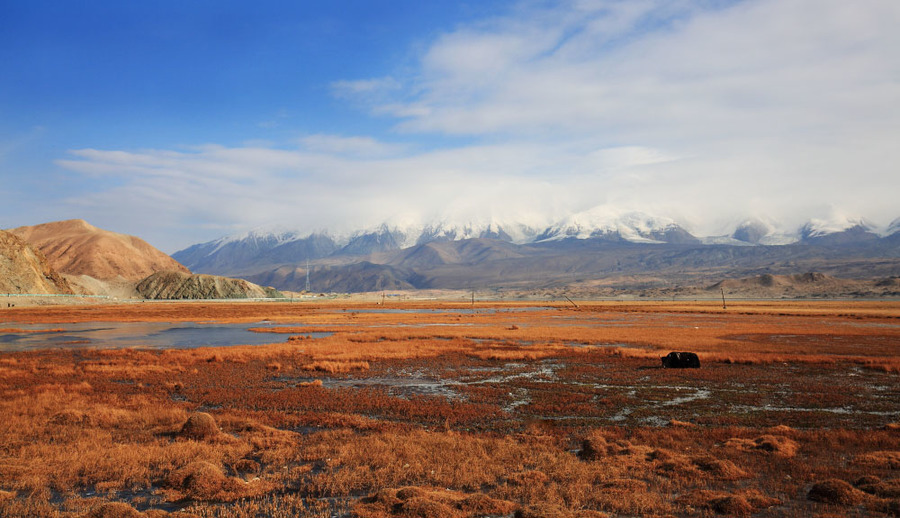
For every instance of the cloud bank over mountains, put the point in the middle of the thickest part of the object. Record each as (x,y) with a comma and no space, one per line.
(704,112)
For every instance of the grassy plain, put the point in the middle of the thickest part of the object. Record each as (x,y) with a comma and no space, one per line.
(452,410)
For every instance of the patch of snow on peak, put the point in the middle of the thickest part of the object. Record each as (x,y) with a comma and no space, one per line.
(893,228)
(760,231)
(275,234)
(636,227)
(836,223)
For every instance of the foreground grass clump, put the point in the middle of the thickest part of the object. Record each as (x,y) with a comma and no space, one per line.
(541,413)
(199,426)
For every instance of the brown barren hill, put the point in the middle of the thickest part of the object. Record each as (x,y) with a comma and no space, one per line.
(25,270)
(179,285)
(805,284)
(75,247)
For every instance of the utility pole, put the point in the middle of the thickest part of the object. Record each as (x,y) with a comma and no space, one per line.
(307,275)
(723,298)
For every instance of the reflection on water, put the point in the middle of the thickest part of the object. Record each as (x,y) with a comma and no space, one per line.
(157,335)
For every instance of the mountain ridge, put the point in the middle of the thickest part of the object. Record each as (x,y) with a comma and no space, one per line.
(101,254)
(259,251)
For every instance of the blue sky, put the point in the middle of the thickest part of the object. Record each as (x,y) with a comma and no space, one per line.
(180,122)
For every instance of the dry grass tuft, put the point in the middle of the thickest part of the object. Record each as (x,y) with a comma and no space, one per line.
(482,505)
(335,367)
(835,491)
(199,426)
(426,502)
(595,446)
(114,510)
(719,468)
(879,459)
(544,511)
(743,503)
(205,481)
(72,417)
(313,383)
(731,505)
(421,507)
(6,495)
(875,486)
(781,430)
(775,445)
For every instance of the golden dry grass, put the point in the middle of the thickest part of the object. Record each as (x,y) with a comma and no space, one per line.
(554,412)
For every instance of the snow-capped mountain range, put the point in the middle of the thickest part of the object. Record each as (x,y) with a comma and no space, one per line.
(265,247)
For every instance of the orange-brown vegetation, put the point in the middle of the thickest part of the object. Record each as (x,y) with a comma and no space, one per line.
(493,412)
(336,367)
(835,491)
(199,426)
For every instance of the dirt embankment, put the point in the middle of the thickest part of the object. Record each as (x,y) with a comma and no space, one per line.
(178,285)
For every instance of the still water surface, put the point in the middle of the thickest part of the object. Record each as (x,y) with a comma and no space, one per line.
(155,335)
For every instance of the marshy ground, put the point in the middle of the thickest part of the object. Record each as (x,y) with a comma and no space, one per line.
(443,410)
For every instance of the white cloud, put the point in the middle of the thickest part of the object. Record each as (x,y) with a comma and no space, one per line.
(350,146)
(761,68)
(701,111)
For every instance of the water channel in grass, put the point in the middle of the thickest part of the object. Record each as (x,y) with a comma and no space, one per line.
(153,335)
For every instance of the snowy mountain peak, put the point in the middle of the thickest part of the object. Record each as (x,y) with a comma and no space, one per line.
(816,228)
(758,231)
(634,227)
(893,228)
(271,236)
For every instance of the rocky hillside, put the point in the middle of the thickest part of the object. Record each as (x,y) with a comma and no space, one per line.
(811,284)
(25,270)
(75,247)
(180,285)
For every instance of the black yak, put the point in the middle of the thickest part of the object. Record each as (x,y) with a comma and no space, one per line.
(681,361)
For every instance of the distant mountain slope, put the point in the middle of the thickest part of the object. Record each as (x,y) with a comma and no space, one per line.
(235,255)
(811,284)
(75,247)
(593,246)
(858,233)
(355,277)
(493,264)
(259,250)
(24,269)
(180,285)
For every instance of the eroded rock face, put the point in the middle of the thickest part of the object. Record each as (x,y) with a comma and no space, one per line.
(179,285)
(24,269)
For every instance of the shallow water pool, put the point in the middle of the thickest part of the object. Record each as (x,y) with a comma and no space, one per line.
(154,335)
